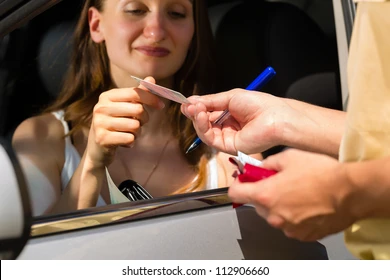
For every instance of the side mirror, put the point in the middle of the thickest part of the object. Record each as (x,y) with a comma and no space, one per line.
(15,209)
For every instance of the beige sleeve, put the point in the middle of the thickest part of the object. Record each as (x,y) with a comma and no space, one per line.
(367,134)
(370,0)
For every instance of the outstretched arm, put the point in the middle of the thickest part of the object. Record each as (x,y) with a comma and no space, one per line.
(317,129)
(260,121)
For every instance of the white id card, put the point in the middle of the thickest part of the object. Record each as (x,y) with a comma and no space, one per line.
(163,91)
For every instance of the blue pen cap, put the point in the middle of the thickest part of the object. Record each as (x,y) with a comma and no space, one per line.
(262,79)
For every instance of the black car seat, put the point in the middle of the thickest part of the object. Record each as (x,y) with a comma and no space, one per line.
(251,35)
(42,62)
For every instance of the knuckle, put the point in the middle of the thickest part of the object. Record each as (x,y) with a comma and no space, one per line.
(100,137)
(98,122)
(132,92)
(263,199)
(289,218)
(232,192)
(103,96)
(99,108)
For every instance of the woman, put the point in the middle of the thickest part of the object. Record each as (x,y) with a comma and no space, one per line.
(102,119)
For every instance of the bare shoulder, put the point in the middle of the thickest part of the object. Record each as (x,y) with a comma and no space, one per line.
(42,133)
(39,145)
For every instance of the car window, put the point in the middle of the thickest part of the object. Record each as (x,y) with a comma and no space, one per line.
(296,38)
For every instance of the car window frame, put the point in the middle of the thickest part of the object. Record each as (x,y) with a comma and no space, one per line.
(344,12)
(18,15)
(129,211)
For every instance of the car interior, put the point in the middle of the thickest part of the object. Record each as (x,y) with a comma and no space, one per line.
(249,36)
(295,37)
(291,36)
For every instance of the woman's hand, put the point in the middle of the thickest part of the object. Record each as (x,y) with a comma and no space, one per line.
(117,119)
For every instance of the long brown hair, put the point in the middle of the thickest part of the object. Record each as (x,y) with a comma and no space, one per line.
(89,76)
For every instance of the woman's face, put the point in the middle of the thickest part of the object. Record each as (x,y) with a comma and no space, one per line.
(143,37)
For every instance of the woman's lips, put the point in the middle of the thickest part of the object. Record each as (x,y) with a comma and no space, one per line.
(153,51)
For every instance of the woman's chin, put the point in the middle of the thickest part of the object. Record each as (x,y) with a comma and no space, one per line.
(161,79)
(159,72)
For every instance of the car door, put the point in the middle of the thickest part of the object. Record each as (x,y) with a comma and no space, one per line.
(201,225)
(15,210)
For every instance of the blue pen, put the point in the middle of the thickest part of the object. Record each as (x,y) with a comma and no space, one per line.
(259,82)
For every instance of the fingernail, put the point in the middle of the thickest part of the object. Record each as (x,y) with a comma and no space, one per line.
(193,98)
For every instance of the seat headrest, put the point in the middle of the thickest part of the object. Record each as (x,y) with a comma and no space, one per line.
(316,89)
(251,35)
(54,55)
(55,43)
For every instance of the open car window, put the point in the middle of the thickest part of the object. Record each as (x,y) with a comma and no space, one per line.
(297,38)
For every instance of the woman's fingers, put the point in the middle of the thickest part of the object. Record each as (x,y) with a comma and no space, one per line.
(120,114)
(123,109)
(147,79)
(214,102)
(123,125)
(133,95)
(108,139)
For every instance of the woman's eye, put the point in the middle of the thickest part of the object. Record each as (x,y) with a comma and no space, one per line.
(136,12)
(177,15)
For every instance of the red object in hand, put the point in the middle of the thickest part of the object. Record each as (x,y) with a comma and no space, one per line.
(253,173)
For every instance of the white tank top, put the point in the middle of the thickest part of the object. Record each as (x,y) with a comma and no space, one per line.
(72,160)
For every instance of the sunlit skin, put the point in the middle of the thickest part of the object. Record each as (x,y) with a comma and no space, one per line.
(312,194)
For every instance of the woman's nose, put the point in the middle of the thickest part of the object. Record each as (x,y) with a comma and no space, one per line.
(155,28)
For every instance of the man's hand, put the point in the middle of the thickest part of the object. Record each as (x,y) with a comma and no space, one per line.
(256,123)
(307,198)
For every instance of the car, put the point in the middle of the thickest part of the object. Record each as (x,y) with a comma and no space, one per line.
(305,41)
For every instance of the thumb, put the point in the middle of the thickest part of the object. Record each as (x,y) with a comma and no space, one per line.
(149,79)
